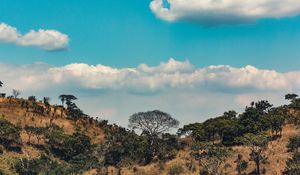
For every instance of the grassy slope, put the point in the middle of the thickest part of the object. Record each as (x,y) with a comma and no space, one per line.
(12,111)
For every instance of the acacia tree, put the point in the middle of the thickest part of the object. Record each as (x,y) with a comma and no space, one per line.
(66,98)
(153,123)
(291,96)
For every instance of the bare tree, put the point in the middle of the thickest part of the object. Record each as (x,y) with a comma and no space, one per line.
(153,122)
(16,93)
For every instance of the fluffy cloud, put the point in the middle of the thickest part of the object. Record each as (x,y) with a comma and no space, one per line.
(187,92)
(172,74)
(50,40)
(216,12)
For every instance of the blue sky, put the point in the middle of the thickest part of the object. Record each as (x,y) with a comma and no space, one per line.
(127,33)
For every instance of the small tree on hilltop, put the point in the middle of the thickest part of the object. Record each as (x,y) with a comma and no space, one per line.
(291,96)
(16,93)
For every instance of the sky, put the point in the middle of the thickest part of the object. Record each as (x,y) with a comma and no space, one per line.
(194,59)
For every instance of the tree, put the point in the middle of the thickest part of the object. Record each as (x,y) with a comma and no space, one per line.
(63,99)
(30,131)
(40,165)
(253,119)
(294,143)
(211,158)
(46,101)
(32,98)
(241,165)
(291,96)
(1,84)
(153,122)
(292,165)
(66,98)
(9,135)
(276,119)
(39,132)
(257,145)
(16,93)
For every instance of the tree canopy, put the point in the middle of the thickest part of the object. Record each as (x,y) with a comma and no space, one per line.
(153,122)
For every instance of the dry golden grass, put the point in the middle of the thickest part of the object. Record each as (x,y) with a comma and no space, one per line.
(276,151)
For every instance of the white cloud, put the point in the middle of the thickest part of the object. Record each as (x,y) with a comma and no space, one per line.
(216,12)
(50,40)
(178,87)
(144,78)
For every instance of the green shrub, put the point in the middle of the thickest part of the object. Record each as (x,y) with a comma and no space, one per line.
(294,143)
(292,165)
(41,165)
(176,170)
(10,135)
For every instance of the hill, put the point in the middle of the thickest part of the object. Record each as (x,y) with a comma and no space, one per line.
(39,138)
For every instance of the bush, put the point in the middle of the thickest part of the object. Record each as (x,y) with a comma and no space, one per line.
(292,165)
(41,165)
(176,170)
(10,135)
(294,143)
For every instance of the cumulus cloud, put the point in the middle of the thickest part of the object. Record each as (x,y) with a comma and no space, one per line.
(143,78)
(50,40)
(187,92)
(216,12)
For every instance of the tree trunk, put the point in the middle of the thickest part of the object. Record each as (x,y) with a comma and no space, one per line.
(257,167)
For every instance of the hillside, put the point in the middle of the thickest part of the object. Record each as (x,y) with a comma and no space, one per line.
(32,130)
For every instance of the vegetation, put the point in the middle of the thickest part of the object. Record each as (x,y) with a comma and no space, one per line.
(9,135)
(211,147)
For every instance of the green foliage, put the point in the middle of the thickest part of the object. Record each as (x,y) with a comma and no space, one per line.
(176,170)
(9,135)
(292,165)
(75,149)
(257,144)
(42,165)
(276,119)
(253,120)
(211,157)
(126,147)
(294,143)
(32,98)
(241,165)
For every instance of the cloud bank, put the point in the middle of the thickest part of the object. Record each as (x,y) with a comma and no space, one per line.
(172,74)
(218,12)
(187,92)
(50,40)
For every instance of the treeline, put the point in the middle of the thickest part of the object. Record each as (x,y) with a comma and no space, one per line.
(147,140)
